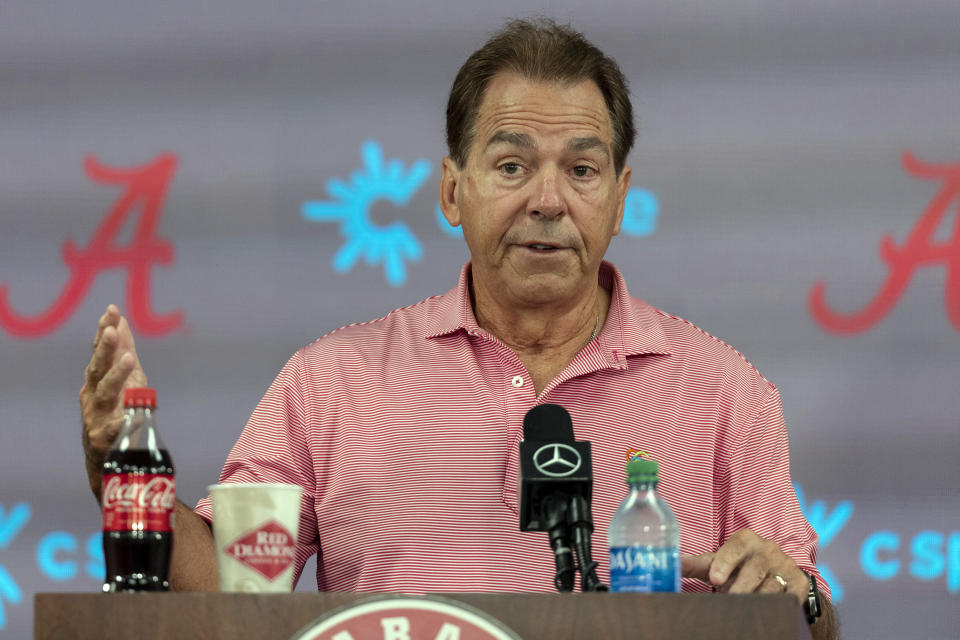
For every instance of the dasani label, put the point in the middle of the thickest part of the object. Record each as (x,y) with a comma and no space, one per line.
(644,569)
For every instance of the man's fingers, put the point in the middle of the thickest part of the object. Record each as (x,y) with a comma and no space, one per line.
(95,446)
(751,575)
(796,583)
(111,384)
(731,555)
(104,345)
(125,342)
(102,358)
(725,587)
(770,584)
(696,566)
(110,318)
(114,339)
(747,563)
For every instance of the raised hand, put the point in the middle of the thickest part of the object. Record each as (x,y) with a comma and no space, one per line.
(113,367)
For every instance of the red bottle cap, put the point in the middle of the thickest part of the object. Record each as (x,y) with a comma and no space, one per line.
(140,397)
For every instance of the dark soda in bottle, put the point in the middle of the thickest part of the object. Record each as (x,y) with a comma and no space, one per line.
(138,496)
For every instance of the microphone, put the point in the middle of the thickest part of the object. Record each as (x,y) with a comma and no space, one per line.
(551,462)
(556,486)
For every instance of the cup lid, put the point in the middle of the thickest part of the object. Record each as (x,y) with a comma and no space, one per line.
(272,486)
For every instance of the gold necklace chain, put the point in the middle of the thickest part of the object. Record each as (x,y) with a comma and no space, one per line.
(596,329)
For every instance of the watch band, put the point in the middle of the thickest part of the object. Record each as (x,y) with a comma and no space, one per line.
(812,606)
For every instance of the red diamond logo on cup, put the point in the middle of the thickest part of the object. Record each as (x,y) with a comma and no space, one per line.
(268,549)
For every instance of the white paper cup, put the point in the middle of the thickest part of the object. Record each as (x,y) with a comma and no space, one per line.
(255,530)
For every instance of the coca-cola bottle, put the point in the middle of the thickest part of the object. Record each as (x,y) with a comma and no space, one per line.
(138,496)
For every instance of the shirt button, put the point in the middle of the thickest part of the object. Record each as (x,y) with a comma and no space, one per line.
(517,381)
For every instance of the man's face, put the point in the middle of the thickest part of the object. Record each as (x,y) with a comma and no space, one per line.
(538,196)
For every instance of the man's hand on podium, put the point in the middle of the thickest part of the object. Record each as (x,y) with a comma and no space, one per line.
(747,563)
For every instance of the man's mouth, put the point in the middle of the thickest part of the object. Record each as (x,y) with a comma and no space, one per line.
(542,247)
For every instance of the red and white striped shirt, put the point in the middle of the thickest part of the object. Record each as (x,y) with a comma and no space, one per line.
(404,434)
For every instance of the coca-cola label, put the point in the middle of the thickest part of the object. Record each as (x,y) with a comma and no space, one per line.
(268,549)
(138,502)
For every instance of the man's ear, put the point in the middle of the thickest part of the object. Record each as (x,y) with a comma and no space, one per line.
(623,187)
(449,178)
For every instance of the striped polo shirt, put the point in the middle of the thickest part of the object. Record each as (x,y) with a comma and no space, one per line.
(404,433)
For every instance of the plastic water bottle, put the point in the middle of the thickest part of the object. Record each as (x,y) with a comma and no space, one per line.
(644,536)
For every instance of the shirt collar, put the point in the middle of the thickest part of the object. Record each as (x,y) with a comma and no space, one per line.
(632,328)
(454,311)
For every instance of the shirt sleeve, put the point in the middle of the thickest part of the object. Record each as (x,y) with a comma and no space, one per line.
(762,495)
(274,447)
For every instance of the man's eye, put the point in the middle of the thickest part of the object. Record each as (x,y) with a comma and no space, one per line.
(510,168)
(583,171)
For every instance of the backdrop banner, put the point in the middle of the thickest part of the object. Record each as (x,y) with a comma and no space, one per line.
(242,178)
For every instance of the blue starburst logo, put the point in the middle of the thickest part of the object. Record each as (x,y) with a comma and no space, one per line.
(392,245)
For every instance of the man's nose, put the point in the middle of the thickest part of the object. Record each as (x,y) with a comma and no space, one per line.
(546,200)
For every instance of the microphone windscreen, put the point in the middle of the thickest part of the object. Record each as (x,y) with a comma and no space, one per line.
(548,423)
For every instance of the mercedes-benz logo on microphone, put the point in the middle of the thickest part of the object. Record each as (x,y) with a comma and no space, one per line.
(557,460)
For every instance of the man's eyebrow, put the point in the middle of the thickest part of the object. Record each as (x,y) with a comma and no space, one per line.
(513,138)
(586,144)
(524,141)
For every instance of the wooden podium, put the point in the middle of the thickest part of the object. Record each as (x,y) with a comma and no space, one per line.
(594,616)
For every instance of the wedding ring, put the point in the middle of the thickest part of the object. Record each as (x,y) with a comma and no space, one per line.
(781,581)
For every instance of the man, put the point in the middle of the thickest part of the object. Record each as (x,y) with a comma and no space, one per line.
(403,431)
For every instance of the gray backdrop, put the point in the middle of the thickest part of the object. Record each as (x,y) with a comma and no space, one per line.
(771,142)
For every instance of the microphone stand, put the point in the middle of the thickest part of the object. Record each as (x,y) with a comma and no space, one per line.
(581,521)
(555,518)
